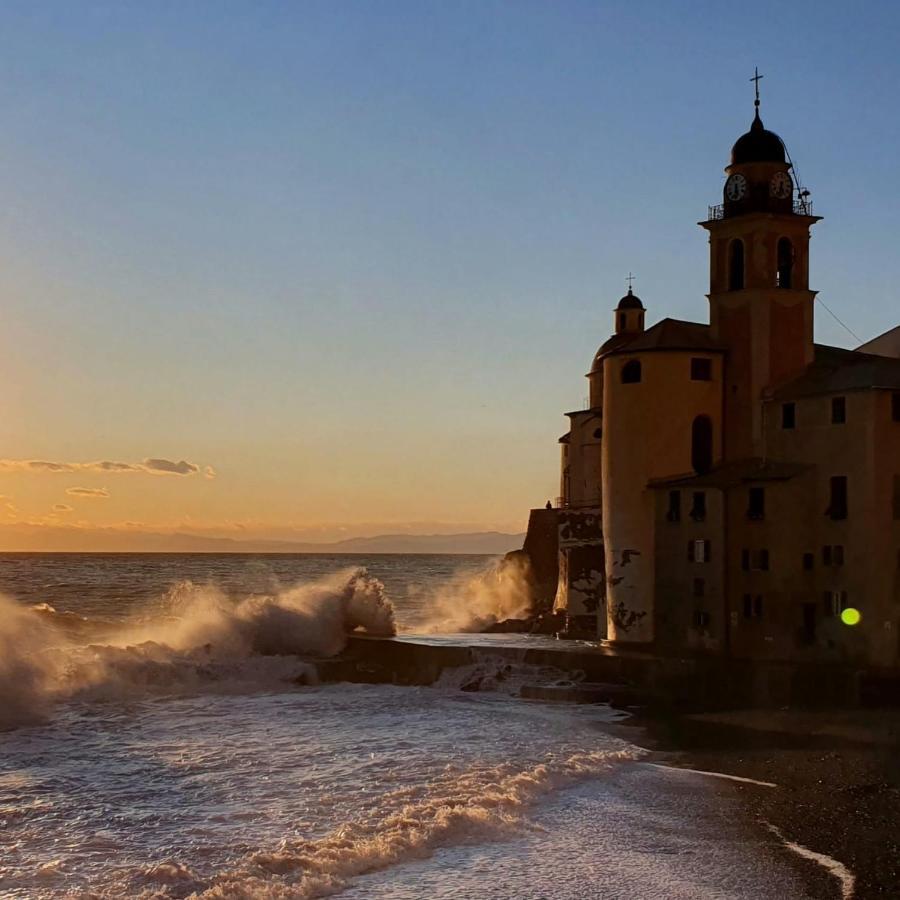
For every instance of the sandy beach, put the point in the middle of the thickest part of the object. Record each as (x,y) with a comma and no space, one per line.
(825,784)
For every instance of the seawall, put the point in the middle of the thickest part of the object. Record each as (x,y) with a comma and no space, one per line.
(679,683)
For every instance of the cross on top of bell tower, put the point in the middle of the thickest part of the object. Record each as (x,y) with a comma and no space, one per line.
(756,79)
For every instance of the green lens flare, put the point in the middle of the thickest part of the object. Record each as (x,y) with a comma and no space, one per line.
(851,616)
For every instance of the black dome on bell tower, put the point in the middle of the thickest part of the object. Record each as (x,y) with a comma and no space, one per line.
(758,145)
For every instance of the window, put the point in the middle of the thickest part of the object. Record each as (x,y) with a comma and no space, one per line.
(699,587)
(755,560)
(753,606)
(702,445)
(623,321)
(631,372)
(699,551)
(701,369)
(833,555)
(788,416)
(756,503)
(838,410)
(674,512)
(835,602)
(783,278)
(895,406)
(736,266)
(698,506)
(809,562)
(701,619)
(837,504)
(598,433)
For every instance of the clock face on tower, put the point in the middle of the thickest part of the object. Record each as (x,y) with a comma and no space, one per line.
(736,187)
(781,186)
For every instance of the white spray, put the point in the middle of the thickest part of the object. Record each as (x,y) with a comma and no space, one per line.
(474,602)
(204,640)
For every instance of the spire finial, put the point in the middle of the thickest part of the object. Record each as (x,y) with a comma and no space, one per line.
(629,279)
(756,79)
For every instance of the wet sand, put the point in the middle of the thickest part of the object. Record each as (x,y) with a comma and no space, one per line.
(836,793)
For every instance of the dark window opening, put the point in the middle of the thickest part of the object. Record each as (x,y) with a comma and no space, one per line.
(698,506)
(756,503)
(809,562)
(784,275)
(699,587)
(631,372)
(833,555)
(699,551)
(895,406)
(838,410)
(701,369)
(788,415)
(837,505)
(753,606)
(701,619)
(755,560)
(674,512)
(736,266)
(702,445)
(623,319)
(835,602)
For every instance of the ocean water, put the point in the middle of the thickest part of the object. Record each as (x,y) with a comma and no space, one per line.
(161,738)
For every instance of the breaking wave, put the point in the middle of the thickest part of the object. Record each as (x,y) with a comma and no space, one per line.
(473,805)
(199,639)
(472,603)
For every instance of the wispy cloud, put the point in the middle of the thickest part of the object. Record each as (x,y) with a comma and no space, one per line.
(151,466)
(62,508)
(99,493)
(168,467)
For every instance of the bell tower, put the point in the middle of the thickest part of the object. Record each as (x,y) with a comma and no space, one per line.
(761,307)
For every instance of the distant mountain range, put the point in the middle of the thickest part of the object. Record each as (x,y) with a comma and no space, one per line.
(109,540)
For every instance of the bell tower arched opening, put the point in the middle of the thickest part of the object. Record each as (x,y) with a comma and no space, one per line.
(784,275)
(736,265)
(702,445)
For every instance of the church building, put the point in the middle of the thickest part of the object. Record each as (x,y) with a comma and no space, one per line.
(734,487)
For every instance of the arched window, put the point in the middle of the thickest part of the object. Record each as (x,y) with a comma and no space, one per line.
(623,321)
(631,372)
(736,265)
(785,263)
(702,445)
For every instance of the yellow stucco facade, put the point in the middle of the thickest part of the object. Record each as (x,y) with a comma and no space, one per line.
(748,479)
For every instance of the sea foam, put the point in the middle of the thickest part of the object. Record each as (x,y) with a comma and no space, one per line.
(198,639)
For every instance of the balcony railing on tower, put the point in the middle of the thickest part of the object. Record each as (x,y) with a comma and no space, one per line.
(802,207)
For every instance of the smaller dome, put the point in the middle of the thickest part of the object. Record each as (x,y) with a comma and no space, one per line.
(629,301)
(758,145)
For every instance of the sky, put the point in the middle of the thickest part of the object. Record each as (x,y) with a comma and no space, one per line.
(307,270)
